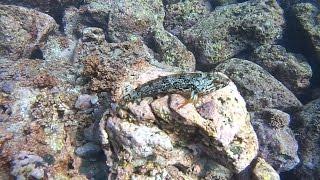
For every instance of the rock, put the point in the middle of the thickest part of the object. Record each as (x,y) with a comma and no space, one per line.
(118,67)
(28,165)
(217,128)
(258,87)
(25,97)
(59,48)
(204,168)
(161,109)
(142,141)
(178,56)
(44,80)
(138,19)
(263,171)
(226,132)
(98,11)
(143,111)
(88,150)
(219,118)
(315,93)
(290,69)
(164,162)
(278,145)
(72,21)
(184,14)
(50,6)
(216,171)
(84,101)
(306,15)
(128,18)
(223,2)
(7,87)
(242,150)
(274,118)
(306,127)
(23,30)
(232,29)
(37,174)
(93,133)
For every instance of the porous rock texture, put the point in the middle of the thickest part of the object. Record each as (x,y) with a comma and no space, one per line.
(306,15)
(263,171)
(277,141)
(231,29)
(292,70)
(22,30)
(262,91)
(307,123)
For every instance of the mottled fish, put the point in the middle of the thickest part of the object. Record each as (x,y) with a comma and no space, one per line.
(195,83)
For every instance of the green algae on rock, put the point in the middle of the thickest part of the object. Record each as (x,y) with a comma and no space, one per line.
(172,51)
(264,171)
(129,20)
(307,16)
(231,29)
(184,14)
(306,125)
(134,17)
(259,88)
(290,69)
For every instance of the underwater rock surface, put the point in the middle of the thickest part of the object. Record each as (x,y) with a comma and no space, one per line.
(277,141)
(290,69)
(308,130)
(231,29)
(262,91)
(172,89)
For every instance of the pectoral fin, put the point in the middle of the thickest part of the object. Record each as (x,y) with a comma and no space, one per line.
(192,99)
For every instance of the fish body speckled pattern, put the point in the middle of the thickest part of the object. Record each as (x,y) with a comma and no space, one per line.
(198,83)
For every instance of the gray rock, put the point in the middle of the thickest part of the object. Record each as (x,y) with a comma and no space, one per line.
(307,15)
(98,11)
(306,127)
(184,14)
(290,69)
(178,56)
(7,87)
(223,2)
(72,21)
(59,48)
(22,30)
(232,29)
(126,19)
(277,143)
(89,150)
(93,34)
(257,86)
(142,111)
(27,165)
(48,6)
(140,20)
(37,174)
